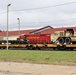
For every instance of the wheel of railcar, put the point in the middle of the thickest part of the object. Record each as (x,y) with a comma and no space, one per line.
(61,40)
(67,40)
(58,47)
(63,47)
(37,47)
(54,48)
(71,49)
(33,48)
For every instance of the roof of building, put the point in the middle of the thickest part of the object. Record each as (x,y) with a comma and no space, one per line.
(41,29)
(44,30)
(15,33)
(51,31)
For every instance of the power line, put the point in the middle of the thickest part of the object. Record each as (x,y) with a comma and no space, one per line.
(45,7)
(3,12)
(46,22)
(40,7)
(53,21)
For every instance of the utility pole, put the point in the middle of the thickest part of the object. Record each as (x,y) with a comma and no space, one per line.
(7,22)
(19,25)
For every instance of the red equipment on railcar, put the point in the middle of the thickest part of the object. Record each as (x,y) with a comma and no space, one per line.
(36,38)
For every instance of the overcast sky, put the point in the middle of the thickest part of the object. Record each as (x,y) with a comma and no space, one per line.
(58,16)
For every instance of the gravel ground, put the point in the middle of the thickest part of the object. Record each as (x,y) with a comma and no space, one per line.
(13,68)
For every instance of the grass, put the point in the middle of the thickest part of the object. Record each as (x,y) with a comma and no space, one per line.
(44,57)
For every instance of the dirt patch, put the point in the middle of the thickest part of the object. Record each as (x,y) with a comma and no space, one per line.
(13,68)
(12,73)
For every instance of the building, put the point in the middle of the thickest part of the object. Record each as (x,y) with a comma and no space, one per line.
(13,35)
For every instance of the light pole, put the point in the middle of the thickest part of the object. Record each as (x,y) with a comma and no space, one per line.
(7,23)
(19,25)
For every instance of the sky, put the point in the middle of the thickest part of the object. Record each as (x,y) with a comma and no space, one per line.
(37,13)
